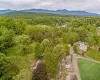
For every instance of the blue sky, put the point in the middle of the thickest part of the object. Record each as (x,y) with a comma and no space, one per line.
(84,5)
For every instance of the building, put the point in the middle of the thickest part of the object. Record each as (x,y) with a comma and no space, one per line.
(82,46)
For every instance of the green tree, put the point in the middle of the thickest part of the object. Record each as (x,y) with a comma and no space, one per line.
(82,33)
(23,41)
(52,58)
(70,37)
(44,44)
(38,51)
(60,51)
(91,28)
(75,46)
(6,39)
(7,69)
(51,63)
(90,41)
(40,32)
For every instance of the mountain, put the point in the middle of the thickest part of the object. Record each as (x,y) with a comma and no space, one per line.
(84,13)
(5,11)
(64,11)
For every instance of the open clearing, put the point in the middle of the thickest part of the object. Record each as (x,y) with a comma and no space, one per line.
(89,70)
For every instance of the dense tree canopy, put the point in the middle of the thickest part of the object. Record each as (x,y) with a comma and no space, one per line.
(46,35)
(7,69)
(70,37)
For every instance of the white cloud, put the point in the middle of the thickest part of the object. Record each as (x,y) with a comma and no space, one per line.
(87,5)
(44,4)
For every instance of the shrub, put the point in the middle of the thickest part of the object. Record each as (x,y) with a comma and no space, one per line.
(75,46)
(38,51)
(7,69)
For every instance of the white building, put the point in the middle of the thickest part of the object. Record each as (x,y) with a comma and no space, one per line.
(83,46)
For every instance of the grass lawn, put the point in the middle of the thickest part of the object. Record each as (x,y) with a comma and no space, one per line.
(89,70)
(94,54)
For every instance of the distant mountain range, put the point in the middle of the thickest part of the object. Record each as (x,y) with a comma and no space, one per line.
(64,11)
(5,11)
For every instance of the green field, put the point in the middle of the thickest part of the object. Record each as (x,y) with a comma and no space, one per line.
(89,70)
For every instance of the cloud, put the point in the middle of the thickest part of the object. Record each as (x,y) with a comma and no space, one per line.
(87,5)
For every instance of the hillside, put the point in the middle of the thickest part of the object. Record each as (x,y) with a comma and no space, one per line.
(27,14)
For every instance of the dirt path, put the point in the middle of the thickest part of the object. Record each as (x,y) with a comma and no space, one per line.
(74,63)
(75,66)
(34,67)
(68,77)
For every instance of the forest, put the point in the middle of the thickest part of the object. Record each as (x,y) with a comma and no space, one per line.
(26,38)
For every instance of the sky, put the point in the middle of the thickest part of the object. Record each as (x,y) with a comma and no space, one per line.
(83,5)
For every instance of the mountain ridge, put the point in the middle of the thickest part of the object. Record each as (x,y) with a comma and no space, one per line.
(63,11)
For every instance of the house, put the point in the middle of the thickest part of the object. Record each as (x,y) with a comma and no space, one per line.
(82,46)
